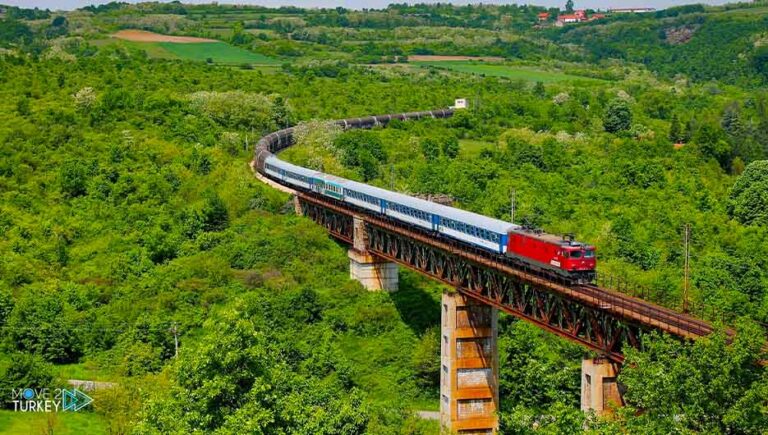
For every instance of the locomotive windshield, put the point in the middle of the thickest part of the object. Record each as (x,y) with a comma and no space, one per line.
(575,254)
(589,253)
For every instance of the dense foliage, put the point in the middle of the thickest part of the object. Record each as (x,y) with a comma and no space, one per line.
(129,219)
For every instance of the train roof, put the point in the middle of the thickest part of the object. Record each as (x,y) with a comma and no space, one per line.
(445,211)
(552,238)
(272,160)
(468,217)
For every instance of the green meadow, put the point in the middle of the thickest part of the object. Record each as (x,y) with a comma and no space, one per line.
(509,71)
(63,423)
(219,52)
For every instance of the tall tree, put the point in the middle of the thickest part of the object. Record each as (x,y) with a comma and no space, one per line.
(748,200)
(674,129)
(731,120)
(618,116)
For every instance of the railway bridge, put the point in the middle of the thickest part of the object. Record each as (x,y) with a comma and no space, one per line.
(481,284)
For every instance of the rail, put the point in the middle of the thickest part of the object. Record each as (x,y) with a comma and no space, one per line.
(618,304)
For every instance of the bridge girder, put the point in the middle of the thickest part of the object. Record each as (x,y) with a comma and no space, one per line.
(585,324)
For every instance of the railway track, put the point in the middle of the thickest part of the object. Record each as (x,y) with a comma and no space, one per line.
(616,304)
(655,313)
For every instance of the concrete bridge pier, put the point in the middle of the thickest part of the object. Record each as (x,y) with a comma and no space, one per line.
(599,389)
(372,272)
(469,366)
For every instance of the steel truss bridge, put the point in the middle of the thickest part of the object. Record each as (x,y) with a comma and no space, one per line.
(600,319)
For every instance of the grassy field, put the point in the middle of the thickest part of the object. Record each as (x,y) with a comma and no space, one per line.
(473,148)
(513,72)
(62,423)
(220,52)
(82,372)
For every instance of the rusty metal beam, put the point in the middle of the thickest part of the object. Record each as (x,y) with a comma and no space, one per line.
(597,318)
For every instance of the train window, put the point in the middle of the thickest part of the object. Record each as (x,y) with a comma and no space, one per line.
(589,253)
(575,254)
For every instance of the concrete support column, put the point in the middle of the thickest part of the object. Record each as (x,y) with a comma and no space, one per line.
(372,272)
(469,368)
(599,389)
(297,206)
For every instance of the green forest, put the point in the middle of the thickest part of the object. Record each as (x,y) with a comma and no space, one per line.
(137,248)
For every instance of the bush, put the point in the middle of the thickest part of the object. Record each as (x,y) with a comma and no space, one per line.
(25,371)
(617,117)
(748,200)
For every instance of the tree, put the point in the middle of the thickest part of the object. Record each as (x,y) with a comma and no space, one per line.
(6,306)
(25,371)
(73,178)
(731,120)
(711,140)
(426,359)
(618,116)
(430,148)
(760,61)
(235,109)
(709,386)
(450,146)
(569,6)
(748,199)
(214,213)
(54,335)
(59,21)
(22,107)
(250,387)
(281,112)
(687,132)
(675,134)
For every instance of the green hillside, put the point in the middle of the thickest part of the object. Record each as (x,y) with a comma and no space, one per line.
(218,52)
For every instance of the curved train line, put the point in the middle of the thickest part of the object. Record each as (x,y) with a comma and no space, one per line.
(632,308)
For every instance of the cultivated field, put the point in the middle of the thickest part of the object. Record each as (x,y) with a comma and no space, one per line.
(218,52)
(191,48)
(144,36)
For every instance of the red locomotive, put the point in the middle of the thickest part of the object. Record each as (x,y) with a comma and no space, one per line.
(563,255)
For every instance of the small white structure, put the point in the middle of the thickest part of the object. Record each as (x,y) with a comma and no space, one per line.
(460,103)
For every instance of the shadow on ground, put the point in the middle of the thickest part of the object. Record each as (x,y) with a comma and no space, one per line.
(417,301)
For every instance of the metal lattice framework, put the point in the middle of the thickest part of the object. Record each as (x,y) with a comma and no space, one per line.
(599,319)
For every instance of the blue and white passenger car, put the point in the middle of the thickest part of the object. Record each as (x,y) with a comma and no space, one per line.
(472,228)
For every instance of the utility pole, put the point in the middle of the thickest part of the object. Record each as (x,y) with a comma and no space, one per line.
(175,340)
(392,177)
(512,206)
(687,242)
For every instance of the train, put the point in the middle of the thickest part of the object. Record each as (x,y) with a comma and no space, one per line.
(560,255)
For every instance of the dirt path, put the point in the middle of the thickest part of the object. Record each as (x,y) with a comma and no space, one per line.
(144,36)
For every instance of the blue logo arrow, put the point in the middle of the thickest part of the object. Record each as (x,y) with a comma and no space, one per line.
(74,400)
